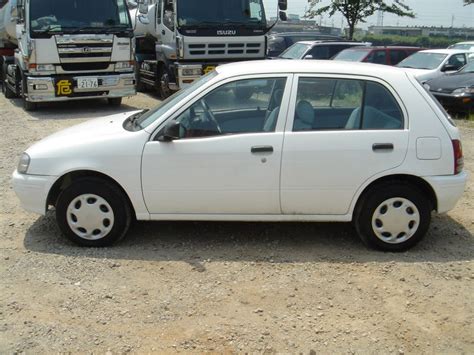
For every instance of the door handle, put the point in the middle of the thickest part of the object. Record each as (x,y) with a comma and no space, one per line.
(382,146)
(262,149)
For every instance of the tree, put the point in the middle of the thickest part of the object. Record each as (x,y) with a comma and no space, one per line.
(468,2)
(356,11)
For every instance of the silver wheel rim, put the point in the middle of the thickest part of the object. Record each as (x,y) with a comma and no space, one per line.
(395,220)
(90,217)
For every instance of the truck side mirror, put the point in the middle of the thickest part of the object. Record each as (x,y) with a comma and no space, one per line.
(283,16)
(171,132)
(283,5)
(143,6)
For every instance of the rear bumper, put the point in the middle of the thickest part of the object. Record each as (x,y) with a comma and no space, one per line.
(32,190)
(448,189)
(42,89)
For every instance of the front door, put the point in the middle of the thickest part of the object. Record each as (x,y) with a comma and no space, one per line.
(227,158)
(344,132)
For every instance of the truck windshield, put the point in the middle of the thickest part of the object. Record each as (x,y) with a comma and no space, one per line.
(218,12)
(70,15)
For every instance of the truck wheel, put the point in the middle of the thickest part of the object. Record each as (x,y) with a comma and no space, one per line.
(93,213)
(393,217)
(9,94)
(163,85)
(115,102)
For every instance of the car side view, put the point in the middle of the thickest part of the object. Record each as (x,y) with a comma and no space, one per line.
(314,141)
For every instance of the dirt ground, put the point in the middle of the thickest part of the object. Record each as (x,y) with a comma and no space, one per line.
(224,287)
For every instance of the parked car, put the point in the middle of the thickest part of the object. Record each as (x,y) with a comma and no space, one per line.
(455,91)
(469,46)
(317,49)
(390,55)
(279,42)
(433,63)
(326,142)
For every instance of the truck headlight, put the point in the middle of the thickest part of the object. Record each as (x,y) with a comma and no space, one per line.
(42,67)
(124,66)
(24,163)
(192,72)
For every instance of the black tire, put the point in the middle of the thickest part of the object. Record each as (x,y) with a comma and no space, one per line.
(113,196)
(163,83)
(374,198)
(115,101)
(9,94)
(140,86)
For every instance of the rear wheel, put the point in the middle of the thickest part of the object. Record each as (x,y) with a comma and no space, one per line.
(393,217)
(92,212)
(163,84)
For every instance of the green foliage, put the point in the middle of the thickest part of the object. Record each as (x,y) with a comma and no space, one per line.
(356,11)
(419,41)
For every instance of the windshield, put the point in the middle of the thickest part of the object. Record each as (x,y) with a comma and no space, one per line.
(218,12)
(465,46)
(296,51)
(468,68)
(423,60)
(64,15)
(351,55)
(151,116)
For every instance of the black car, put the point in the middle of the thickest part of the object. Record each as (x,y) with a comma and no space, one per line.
(279,42)
(455,91)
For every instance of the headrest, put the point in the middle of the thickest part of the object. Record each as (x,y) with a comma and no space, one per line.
(305,112)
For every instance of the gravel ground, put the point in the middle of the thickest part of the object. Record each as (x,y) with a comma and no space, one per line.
(224,287)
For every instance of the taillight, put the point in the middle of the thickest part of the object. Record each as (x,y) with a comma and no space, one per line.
(458,157)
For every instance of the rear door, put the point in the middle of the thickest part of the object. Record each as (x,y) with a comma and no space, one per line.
(324,164)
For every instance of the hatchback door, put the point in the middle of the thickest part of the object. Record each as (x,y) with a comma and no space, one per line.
(341,131)
(227,158)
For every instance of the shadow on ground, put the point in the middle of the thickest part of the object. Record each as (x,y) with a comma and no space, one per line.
(194,242)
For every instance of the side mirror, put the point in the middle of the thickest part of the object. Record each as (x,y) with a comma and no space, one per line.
(283,5)
(449,67)
(283,16)
(309,56)
(143,6)
(171,132)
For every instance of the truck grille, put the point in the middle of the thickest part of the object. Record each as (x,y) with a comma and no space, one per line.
(218,50)
(84,52)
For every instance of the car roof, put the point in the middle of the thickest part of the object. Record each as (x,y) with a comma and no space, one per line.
(331,42)
(309,34)
(382,47)
(307,66)
(444,51)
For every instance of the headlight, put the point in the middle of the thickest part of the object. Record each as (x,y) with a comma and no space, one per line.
(124,66)
(24,163)
(192,72)
(41,67)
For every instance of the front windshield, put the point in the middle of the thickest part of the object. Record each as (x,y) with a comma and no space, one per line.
(151,116)
(218,12)
(351,55)
(468,68)
(296,51)
(423,60)
(64,15)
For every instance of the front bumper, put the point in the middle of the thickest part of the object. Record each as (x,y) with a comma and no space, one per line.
(448,189)
(455,103)
(32,190)
(43,89)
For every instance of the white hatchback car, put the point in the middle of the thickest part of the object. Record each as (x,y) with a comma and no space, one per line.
(258,141)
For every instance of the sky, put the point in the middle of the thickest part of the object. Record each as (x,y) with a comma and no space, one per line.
(428,13)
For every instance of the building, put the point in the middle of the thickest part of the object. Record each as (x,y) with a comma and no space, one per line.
(465,32)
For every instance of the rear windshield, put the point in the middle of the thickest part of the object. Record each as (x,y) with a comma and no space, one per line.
(296,51)
(352,55)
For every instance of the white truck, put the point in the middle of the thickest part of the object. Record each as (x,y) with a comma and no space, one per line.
(180,40)
(57,50)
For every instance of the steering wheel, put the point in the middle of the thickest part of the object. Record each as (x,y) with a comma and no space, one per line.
(210,115)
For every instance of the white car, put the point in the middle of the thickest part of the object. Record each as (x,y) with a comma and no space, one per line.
(463,45)
(433,63)
(311,141)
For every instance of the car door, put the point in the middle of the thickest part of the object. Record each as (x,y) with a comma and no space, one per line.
(340,132)
(224,162)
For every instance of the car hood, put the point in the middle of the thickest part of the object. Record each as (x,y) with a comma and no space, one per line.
(422,74)
(452,81)
(98,129)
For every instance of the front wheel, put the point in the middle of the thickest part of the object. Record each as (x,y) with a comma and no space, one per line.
(163,84)
(92,212)
(393,217)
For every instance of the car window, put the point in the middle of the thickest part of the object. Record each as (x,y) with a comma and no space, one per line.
(333,104)
(244,106)
(457,61)
(320,52)
(377,57)
(397,55)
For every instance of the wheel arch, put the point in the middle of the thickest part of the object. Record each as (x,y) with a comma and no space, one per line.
(412,180)
(68,178)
